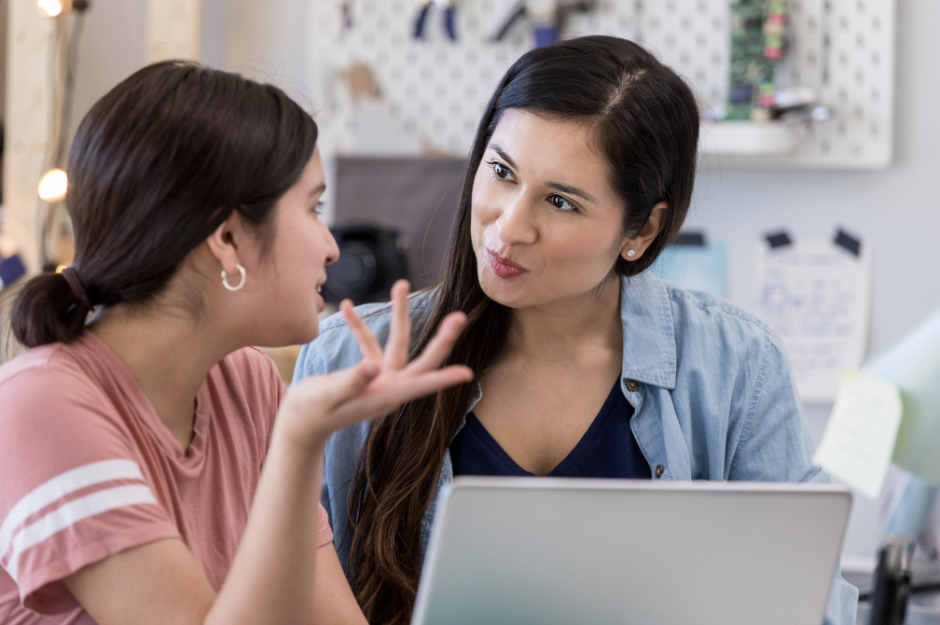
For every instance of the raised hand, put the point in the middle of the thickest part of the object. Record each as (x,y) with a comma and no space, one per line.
(383,380)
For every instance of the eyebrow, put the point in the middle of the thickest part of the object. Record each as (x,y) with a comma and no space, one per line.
(502,154)
(317,190)
(584,195)
(572,191)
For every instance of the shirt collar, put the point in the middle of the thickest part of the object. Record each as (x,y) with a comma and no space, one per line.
(649,341)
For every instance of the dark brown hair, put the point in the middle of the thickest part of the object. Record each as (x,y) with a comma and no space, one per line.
(645,122)
(156,166)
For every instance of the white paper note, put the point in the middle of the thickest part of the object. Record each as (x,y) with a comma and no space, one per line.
(859,439)
(816,297)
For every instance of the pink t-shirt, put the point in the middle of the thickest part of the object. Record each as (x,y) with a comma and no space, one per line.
(87,470)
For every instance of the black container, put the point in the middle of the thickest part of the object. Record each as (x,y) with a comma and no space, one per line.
(892,581)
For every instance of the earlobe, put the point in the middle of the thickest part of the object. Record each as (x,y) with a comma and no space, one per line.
(633,249)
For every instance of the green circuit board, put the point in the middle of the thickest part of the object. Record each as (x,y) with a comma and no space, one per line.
(758,39)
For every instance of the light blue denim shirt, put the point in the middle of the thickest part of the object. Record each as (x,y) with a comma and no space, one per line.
(710,385)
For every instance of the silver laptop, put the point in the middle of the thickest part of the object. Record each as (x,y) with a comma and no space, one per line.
(566,551)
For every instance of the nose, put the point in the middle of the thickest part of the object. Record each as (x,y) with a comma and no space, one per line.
(516,224)
(332,249)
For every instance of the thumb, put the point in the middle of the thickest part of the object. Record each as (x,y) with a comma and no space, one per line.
(343,385)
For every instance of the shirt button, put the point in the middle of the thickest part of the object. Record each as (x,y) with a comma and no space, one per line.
(632,385)
(659,470)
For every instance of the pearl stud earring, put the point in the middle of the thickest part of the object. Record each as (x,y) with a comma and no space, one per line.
(631,253)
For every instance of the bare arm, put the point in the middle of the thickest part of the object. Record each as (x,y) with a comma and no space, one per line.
(333,600)
(278,565)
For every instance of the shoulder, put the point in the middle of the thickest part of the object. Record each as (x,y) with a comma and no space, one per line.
(61,427)
(69,462)
(248,370)
(674,337)
(701,318)
(245,392)
(336,348)
(45,360)
(710,308)
(731,358)
(45,386)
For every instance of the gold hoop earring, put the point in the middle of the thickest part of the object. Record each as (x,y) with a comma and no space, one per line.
(228,286)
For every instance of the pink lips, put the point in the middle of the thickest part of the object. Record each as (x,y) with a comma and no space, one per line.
(504,268)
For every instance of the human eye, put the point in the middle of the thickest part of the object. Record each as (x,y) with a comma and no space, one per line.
(500,171)
(561,204)
(319,207)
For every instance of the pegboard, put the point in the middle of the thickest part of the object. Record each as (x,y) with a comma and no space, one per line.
(436,89)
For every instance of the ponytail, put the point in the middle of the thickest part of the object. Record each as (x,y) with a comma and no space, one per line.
(47,310)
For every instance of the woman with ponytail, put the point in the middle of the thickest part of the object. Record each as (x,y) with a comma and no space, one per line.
(154,468)
(587,365)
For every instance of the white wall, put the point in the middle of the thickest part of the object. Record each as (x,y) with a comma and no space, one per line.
(112,47)
(264,39)
(897,209)
(3,57)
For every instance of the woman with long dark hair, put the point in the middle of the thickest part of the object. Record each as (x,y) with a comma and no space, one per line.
(587,365)
(145,478)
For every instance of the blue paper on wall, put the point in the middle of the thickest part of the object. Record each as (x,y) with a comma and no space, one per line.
(697,267)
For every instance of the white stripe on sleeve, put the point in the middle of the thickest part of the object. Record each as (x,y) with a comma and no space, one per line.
(74,511)
(60,486)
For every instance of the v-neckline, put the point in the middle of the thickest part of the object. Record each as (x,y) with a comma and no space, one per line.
(189,458)
(569,461)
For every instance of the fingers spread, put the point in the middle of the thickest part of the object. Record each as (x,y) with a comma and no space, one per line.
(368,346)
(440,345)
(347,384)
(405,390)
(396,350)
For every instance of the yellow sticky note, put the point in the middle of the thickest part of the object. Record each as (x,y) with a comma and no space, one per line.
(859,439)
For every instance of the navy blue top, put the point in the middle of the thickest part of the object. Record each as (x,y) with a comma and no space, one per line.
(607,449)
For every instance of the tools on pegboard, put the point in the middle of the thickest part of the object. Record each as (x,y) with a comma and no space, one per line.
(546,18)
(436,86)
(447,9)
(758,44)
(760,39)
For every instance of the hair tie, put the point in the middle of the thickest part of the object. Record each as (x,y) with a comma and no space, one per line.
(71,276)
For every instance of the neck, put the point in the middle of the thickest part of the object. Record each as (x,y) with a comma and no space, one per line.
(564,329)
(169,353)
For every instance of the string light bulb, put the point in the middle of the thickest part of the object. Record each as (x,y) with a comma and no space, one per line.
(53,186)
(52,8)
